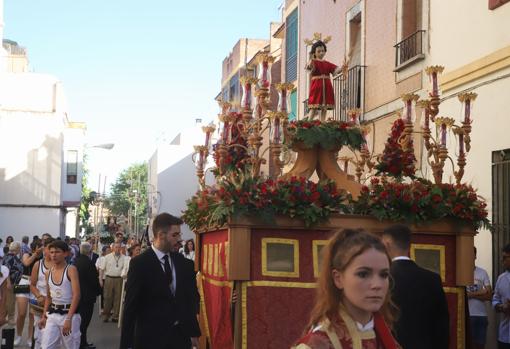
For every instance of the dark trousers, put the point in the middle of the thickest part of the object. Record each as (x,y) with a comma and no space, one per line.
(178,339)
(502,345)
(86,311)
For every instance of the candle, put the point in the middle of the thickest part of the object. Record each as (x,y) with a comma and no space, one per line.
(207,138)
(365,131)
(276,131)
(201,159)
(226,128)
(246,100)
(408,110)
(461,143)
(283,101)
(434,84)
(427,118)
(467,114)
(443,134)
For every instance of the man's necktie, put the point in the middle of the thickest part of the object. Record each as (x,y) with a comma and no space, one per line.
(168,270)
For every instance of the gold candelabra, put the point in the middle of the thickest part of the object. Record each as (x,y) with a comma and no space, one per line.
(254,121)
(437,151)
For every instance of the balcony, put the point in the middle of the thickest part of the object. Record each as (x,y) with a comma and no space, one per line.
(349,92)
(409,50)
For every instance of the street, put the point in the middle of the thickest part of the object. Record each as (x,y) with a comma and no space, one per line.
(102,335)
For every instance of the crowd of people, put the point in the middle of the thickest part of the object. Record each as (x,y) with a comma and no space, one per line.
(370,294)
(55,283)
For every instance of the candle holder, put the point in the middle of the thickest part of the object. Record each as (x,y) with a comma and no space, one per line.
(202,151)
(433,73)
(283,96)
(424,104)
(354,115)
(254,119)
(278,123)
(366,156)
(246,84)
(408,118)
(467,100)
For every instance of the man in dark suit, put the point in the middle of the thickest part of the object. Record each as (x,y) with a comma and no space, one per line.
(161,304)
(89,290)
(423,320)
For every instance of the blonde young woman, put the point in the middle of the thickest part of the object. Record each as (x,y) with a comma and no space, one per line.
(353,308)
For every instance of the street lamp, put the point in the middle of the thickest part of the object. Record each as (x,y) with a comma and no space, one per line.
(107,146)
(98,212)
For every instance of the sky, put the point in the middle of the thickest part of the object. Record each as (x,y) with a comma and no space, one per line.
(136,72)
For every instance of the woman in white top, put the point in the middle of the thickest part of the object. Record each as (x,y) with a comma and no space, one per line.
(189,249)
(133,251)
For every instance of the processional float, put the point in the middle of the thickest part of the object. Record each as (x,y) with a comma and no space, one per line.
(259,237)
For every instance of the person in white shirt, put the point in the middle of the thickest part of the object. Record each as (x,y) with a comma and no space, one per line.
(111,271)
(478,294)
(105,250)
(501,300)
(60,320)
(133,251)
(189,249)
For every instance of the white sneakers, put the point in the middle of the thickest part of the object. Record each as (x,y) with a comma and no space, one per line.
(17,341)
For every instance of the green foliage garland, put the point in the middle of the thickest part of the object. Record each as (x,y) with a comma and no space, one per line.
(421,201)
(242,194)
(329,135)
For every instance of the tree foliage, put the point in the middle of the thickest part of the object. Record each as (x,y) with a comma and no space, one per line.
(129,193)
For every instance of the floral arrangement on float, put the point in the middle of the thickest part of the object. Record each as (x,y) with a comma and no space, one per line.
(392,190)
(420,201)
(240,188)
(398,195)
(265,198)
(328,134)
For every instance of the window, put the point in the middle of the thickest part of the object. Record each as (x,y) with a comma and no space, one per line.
(410,46)
(293,105)
(280,257)
(234,89)
(291,46)
(72,166)
(500,207)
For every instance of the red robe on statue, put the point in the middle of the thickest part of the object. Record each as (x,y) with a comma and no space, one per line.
(343,333)
(321,94)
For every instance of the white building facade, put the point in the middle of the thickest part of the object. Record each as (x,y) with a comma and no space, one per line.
(41,154)
(171,175)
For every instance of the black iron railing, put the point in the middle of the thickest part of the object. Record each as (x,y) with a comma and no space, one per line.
(349,92)
(409,48)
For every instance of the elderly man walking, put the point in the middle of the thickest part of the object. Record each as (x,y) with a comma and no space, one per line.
(111,267)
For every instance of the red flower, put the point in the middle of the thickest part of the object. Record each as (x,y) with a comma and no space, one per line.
(436,198)
(315,196)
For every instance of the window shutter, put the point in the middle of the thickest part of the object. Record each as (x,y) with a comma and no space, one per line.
(291,46)
(293,105)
